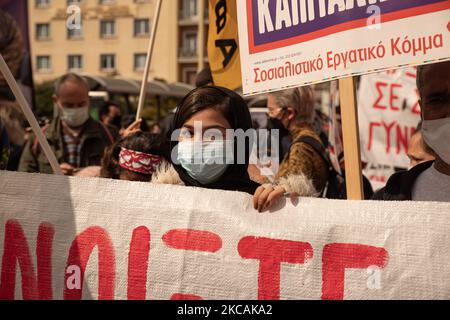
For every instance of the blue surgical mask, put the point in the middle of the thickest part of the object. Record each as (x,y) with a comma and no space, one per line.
(205,161)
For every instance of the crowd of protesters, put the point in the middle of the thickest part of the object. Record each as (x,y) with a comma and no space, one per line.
(118,147)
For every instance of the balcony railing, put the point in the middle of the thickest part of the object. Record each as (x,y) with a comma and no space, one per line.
(187,53)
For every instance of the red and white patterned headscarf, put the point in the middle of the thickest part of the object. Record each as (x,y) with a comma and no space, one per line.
(138,161)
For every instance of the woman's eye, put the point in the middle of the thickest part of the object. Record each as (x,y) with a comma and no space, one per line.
(209,138)
(186,134)
(213,134)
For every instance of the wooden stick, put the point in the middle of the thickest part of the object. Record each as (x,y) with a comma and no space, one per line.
(350,130)
(151,45)
(29,115)
(201,35)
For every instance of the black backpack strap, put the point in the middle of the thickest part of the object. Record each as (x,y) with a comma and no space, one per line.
(316,145)
(333,188)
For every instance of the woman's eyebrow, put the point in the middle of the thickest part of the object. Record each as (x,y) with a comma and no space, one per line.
(215,127)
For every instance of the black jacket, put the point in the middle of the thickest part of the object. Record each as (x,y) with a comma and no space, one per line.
(4,146)
(400,184)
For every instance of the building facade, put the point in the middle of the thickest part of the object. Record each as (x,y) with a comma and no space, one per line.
(188,38)
(110,38)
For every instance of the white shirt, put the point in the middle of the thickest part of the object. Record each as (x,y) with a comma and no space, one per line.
(432,185)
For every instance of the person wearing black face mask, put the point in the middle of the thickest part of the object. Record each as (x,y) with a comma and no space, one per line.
(284,139)
(303,170)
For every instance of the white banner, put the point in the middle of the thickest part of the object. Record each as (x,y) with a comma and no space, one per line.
(378,175)
(389,112)
(72,238)
(292,43)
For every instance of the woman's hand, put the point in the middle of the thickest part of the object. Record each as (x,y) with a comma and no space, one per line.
(66,169)
(88,172)
(265,197)
(132,128)
(255,174)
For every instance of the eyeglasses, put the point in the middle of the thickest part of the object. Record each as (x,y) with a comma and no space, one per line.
(275,111)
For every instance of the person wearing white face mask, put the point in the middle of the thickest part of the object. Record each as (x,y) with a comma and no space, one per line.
(77,140)
(428,181)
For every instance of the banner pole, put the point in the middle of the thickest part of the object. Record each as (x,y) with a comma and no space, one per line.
(351,142)
(29,115)
(201,35)
(151,45)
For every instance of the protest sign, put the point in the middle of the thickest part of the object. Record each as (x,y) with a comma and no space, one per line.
(73,238)
(378,175)
(223,44)
(287,43)
(389,111)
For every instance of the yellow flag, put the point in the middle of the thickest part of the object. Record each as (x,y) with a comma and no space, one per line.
(223,44)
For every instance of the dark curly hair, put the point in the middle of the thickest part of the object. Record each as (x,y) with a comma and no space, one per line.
(139,141)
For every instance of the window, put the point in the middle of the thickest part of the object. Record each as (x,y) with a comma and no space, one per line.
(42,31)
(139,61)
(71,2)
(141,27)
(75,33)
(42,3)
(108,62)
(43,63)
(107,28)
(189,8)
(189,46)
(75,62)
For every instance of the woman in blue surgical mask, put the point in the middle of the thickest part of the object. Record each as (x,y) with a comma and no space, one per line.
(204,150)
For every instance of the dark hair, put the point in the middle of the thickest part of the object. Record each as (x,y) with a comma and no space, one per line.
(139,141)
(201,99)
(204,78)
(103,110)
